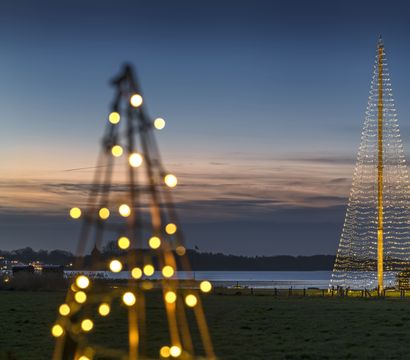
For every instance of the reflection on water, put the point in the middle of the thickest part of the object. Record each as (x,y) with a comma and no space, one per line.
(254,279)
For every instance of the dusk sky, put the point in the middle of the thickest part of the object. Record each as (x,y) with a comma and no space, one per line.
(264,103)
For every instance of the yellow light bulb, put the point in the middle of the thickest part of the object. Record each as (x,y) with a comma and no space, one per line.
(136,273)
(116,151)
(171,229)
(205,286)
(170,180)
(159,123)
(83,357)
(135,160)
(123,242)
(180,250)
(124,210)
(191,300)
(80,297)
(165,352)
(104,309)
(129,298)
(136,100)
(168,271)
(154,242)
(57,330)
(114,118)
(175,351)
(149,270)
(170,297)
(64,310)
(104,213)
(75,212)
(87,325)
(82,282)
(115,266)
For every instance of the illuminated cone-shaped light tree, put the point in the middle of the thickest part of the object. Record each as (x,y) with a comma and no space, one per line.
(135,211)
(375,242)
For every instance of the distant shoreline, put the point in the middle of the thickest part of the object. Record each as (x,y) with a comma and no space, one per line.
(200,261)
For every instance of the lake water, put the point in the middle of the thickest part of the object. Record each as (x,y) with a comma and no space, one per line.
(254,279)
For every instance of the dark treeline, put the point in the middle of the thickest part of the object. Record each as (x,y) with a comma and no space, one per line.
(199,260)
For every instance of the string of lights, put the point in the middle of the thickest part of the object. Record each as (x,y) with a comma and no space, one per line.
(137,213)
(370,235)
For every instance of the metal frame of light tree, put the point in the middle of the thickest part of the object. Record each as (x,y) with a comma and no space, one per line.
(87,298)
(375,242)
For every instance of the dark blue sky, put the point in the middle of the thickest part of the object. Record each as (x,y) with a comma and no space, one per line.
(264,100)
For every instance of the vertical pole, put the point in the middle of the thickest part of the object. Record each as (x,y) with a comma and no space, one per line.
(380,172)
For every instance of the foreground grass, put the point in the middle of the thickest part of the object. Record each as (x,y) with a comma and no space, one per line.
(242,327)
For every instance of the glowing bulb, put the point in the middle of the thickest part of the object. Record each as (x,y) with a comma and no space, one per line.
(148,270)
(170,297)
(168,271)
(104,213)
(115,266)
(191,300)
(87,325)
(135,160)
(171,180)
(80,297)
(129,299)
(57,330)
(75,212)
(116,150)
(136,273)
(83,357)
(104,309)
(82,282)
(123,242)
(64,310)
(159,123)
(180,250)
(124,210)
(165,352)
(171,229)
(154,242)
(205,286)
(114,118)
(136,100)
(175,351)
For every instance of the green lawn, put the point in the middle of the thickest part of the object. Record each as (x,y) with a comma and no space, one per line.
(242,327)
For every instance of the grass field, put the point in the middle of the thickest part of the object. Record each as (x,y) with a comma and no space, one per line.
(242,327)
